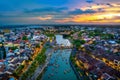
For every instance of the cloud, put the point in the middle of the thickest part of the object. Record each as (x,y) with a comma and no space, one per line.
(52,13)
(47,10)
(88,18)
(48,17)
(110,5)
(11,14)
(35,12)
(79,11)
(100,10)
(116,17)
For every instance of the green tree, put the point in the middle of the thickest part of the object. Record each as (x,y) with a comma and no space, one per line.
(78,43)
(14,47)
(24,38)
(37,45)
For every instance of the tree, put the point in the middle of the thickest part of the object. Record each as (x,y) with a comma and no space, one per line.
(107,36)
(14,47)
(37,45)
(80,34)
(24,38)
(3,51)
(110,36)
(50,35)
(78,43)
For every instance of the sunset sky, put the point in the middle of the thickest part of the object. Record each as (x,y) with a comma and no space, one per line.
(59,11)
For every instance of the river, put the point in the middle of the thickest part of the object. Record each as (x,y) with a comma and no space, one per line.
(59,67)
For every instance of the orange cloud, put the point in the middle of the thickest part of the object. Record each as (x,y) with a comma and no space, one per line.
(48,17)
(93,18)
(109,15)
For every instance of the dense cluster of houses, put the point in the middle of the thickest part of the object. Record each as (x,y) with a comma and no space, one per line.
(96,68)
(18,46)
(100,56)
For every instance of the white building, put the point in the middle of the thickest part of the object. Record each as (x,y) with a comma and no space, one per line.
(61,41)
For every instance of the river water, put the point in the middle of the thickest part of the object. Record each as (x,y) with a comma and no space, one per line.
(59,67)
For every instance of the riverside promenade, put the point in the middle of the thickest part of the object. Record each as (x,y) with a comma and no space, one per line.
(41,68)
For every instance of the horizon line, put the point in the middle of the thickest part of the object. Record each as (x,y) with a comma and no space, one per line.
(52,24)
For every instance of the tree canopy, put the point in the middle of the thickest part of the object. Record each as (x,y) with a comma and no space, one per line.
(78,43)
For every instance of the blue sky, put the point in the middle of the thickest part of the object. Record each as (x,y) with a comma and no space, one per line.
(58,11)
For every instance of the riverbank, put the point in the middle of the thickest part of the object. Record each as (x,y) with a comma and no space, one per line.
(73,66)
(41,68)
(81,74)
(40,59)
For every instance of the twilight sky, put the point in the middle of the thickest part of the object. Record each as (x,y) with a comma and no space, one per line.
(59,11)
